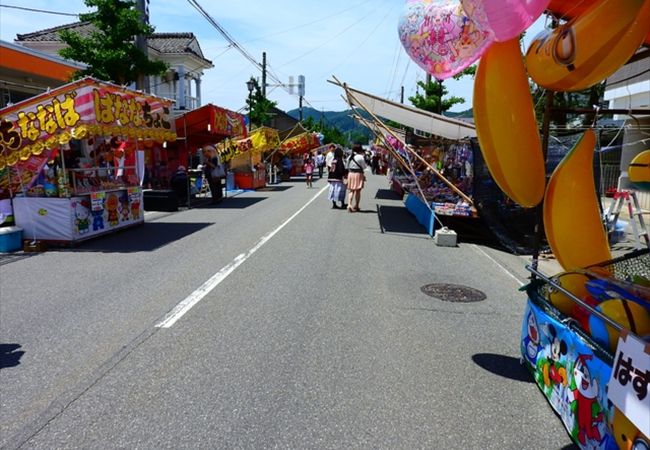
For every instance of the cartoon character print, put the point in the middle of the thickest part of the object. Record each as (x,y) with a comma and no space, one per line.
(135,209)
(82,216)
(554,370)
(531,341)
(124,207)
(111,208)
(98,220)
(626,434)
(588,410)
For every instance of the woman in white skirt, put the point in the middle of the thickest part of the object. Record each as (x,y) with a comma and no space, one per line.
(356,177)
(335,176)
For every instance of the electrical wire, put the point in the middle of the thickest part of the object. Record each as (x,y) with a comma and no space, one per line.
(43,11)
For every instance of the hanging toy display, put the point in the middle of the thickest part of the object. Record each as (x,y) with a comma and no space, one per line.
(589,48)
(506,19)
(441,37)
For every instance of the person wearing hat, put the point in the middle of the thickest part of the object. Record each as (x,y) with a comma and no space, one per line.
(180,184)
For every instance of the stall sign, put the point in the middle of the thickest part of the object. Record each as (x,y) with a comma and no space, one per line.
(628,385)
(97,200)
(228,123)
(87,101)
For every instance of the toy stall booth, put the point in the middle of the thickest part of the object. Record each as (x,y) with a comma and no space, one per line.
(585,336)
(245,157)
(295,147)
(72,159)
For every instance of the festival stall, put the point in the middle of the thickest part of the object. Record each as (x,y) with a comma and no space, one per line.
(72,159)
(295,148)
(208,124)
(246,156)
(586,331)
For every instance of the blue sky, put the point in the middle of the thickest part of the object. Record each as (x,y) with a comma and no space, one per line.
(354,40)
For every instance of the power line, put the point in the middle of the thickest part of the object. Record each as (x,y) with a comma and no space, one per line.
(44,11)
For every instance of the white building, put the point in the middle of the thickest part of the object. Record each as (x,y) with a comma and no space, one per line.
(629,89)
(181,51)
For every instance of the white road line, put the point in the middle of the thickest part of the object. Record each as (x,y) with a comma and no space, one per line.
(196,296)
(506,271)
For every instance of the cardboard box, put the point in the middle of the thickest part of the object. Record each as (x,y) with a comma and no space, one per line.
(445,237)
(11,239)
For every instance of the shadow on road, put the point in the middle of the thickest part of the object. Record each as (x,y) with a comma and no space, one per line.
(387,194)
(10,355)
(273,189)
(145,238)
(396,219)
(233,203)
(504,366)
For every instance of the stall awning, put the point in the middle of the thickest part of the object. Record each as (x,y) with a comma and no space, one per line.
(260,140)
(418,119)
(302,143)
(210,124)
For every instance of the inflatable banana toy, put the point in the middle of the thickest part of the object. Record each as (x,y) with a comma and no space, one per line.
(505,124)
(639,171)
(572,221)
(590,47)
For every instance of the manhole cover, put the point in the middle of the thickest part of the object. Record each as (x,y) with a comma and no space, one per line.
(453,293)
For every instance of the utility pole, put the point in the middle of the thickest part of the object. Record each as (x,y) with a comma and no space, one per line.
(264,74)
(401,95)
(301,92)
(142,83)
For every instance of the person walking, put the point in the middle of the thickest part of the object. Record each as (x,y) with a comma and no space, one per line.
(335,176)
(308,168)
(214,172)
(320,163)
(330,156)
(356,177)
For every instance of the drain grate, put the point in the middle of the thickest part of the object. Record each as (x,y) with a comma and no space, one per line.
(453,293)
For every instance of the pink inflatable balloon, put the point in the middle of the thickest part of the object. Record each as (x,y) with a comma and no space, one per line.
(506,19)
(440,37)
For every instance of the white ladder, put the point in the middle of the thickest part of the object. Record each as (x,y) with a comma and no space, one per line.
(636,215)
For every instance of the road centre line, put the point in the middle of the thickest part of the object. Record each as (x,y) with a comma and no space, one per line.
(184,306)
(510,274)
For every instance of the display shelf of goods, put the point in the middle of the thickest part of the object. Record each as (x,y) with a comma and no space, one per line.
(575,355)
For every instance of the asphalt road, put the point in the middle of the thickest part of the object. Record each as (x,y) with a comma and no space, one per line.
(299,326)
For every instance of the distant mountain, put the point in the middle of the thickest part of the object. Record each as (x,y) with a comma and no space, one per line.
(342,120)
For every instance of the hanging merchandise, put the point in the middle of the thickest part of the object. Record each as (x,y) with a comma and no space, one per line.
(506,19)
(572,220)
(441,37)
(590,47)
(506,124)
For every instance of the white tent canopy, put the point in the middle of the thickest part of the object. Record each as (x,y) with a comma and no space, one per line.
(418,119)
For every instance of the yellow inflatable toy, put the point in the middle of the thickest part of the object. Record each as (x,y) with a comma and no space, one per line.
(639,171)
(572,222)
(590,47)
(626,434)
(572,282)
(628,314)
(505,124)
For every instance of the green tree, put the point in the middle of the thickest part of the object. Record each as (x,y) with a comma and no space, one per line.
(433,100)
(259,107)
(110,51)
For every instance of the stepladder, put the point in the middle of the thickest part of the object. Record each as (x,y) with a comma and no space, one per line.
(631,202)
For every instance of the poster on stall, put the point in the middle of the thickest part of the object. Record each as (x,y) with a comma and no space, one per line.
(628,385)
(572,377)
(97,200)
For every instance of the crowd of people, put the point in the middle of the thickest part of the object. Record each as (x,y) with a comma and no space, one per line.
(345,174)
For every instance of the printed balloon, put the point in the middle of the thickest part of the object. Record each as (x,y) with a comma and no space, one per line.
(440,37)
(507,19)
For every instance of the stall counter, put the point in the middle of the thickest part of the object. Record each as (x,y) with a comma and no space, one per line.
(70,220)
